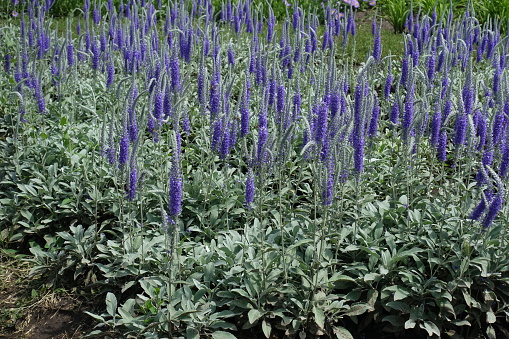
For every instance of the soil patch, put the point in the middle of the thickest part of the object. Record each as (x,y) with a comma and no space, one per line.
(29,310)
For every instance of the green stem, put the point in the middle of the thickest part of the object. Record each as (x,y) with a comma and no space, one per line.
(262,234)
(340,220)
(169,282)
(282,230)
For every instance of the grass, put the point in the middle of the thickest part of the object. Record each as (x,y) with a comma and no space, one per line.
(393,43)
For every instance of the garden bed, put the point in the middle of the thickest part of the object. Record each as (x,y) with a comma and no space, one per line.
(235,170)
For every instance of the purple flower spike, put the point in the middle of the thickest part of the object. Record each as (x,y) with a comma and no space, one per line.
(358,152)
(325,40)
(70,54)
(244,114)
(133,182)
(460,129)
(96,14)
(447,109)
(224,148)
(281,93)
(313,41)
(272,92)
(295,18)
(94,48)
(124,150)
(431,65)
(373,124)
(441,59)
(494,208)
(408,116)
(132,119)
(442,147)
(504,163)
(296,105)
(231,56)
(327,191)
(436,124)
(215,94)
(321,123)
(334,100)
(487,160)
(404,72)
(496,80)
(270,27)
(217,132)
(468,98)
(167,105)
(110,74)
(498,126)
(377,46)
(351,25)
(395,111)
(175,203)
(175,74)
(7,63)
(388,84)
(250,189)
(158,105)
(86,6)
(39,96)
(481,129)
(480,208)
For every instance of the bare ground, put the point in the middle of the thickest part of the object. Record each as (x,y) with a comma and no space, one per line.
(29,310)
